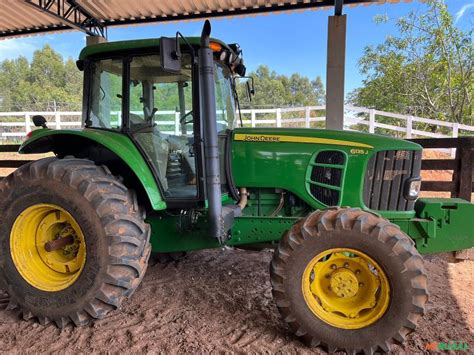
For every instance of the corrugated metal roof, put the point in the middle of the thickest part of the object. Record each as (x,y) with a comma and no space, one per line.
(17,18)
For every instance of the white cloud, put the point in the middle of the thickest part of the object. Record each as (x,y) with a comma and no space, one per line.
(13,48)
(462,11)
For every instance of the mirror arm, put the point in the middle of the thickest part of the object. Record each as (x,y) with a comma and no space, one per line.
(178,47)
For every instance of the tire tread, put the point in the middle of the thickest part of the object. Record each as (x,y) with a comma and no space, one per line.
(357,220)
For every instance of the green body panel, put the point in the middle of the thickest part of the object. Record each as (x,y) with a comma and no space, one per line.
(442,225)
(286,165)
(167,236)
(118,143)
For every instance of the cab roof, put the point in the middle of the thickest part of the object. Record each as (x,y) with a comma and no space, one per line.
(133,45)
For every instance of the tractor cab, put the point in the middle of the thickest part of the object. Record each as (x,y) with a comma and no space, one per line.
(152,91)
(130,91)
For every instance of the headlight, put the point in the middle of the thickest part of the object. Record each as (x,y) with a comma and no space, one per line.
(412,188)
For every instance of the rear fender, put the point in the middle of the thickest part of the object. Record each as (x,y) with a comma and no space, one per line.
(114,149)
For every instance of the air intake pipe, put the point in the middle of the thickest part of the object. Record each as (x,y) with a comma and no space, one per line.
(211,148)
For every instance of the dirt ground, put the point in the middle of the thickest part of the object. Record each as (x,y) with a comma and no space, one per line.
(220,301)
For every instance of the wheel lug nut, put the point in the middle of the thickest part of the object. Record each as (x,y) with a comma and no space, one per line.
(346,265)
(333,266)
(357,272)
(361,284)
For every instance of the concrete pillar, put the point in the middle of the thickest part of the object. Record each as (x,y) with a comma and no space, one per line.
(90,40)
(336,58)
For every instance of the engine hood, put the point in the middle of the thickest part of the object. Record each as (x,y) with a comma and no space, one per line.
(283,158)
(322,136)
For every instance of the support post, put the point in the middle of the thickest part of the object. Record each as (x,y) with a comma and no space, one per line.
(27,123)
(57,120)
(307,117)
(336,53)
(410,127)
(455,135)
(278,117)
(90,40)
(464,175)
(182,106)
(372,121)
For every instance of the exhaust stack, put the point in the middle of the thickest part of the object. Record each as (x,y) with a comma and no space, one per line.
(211,149)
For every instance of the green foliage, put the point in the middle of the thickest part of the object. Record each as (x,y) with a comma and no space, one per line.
(425,70)
(277,90)
(47,83)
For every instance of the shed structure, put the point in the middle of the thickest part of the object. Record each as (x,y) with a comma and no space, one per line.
(93,17)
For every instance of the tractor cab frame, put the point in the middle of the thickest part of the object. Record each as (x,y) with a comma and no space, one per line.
(128,91)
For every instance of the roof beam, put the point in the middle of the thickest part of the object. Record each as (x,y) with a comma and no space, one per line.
(284,6)
(338,4)
(71,14)
(92,18)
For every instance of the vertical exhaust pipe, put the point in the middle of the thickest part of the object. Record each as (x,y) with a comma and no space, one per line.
(209,121)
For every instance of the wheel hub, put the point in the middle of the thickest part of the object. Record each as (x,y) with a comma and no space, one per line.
(344,283)
(345,288)
(48,247)
(55,228)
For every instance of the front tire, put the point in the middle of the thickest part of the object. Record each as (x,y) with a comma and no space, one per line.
(107,250)
(345,279)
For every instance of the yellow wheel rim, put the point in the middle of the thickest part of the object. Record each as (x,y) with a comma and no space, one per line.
(45,227)
(346,288)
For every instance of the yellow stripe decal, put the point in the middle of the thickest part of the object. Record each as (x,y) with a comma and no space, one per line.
(268,138)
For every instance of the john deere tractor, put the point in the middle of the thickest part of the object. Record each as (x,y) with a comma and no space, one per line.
(341,209)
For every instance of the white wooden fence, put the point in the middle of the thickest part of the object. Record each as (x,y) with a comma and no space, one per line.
(15,125)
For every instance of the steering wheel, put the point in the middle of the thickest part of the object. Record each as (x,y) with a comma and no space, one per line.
(183,119)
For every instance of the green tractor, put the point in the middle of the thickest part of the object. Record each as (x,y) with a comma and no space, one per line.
(341,209)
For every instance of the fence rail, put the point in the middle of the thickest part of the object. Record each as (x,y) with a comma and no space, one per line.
(409,127)
(445,138)
(15,125)
(462,166)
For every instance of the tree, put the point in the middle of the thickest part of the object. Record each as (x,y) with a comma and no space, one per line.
(426,70)
(49,83)
(46,83)
(276,90)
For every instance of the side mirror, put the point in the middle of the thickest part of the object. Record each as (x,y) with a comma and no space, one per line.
(39,121)
(170,55)
(250,86)
(250,90)
(80,65)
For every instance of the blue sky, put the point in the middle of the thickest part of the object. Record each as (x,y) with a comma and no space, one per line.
(303,34)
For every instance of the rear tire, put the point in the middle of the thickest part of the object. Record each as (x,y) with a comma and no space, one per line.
(391,252)
(112,224)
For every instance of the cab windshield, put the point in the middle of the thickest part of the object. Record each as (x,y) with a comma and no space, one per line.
(161,114)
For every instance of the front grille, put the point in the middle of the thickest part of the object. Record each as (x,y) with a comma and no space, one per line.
(385,179)
(325,182)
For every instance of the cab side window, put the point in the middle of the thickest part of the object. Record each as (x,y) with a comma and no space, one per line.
(106,100)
